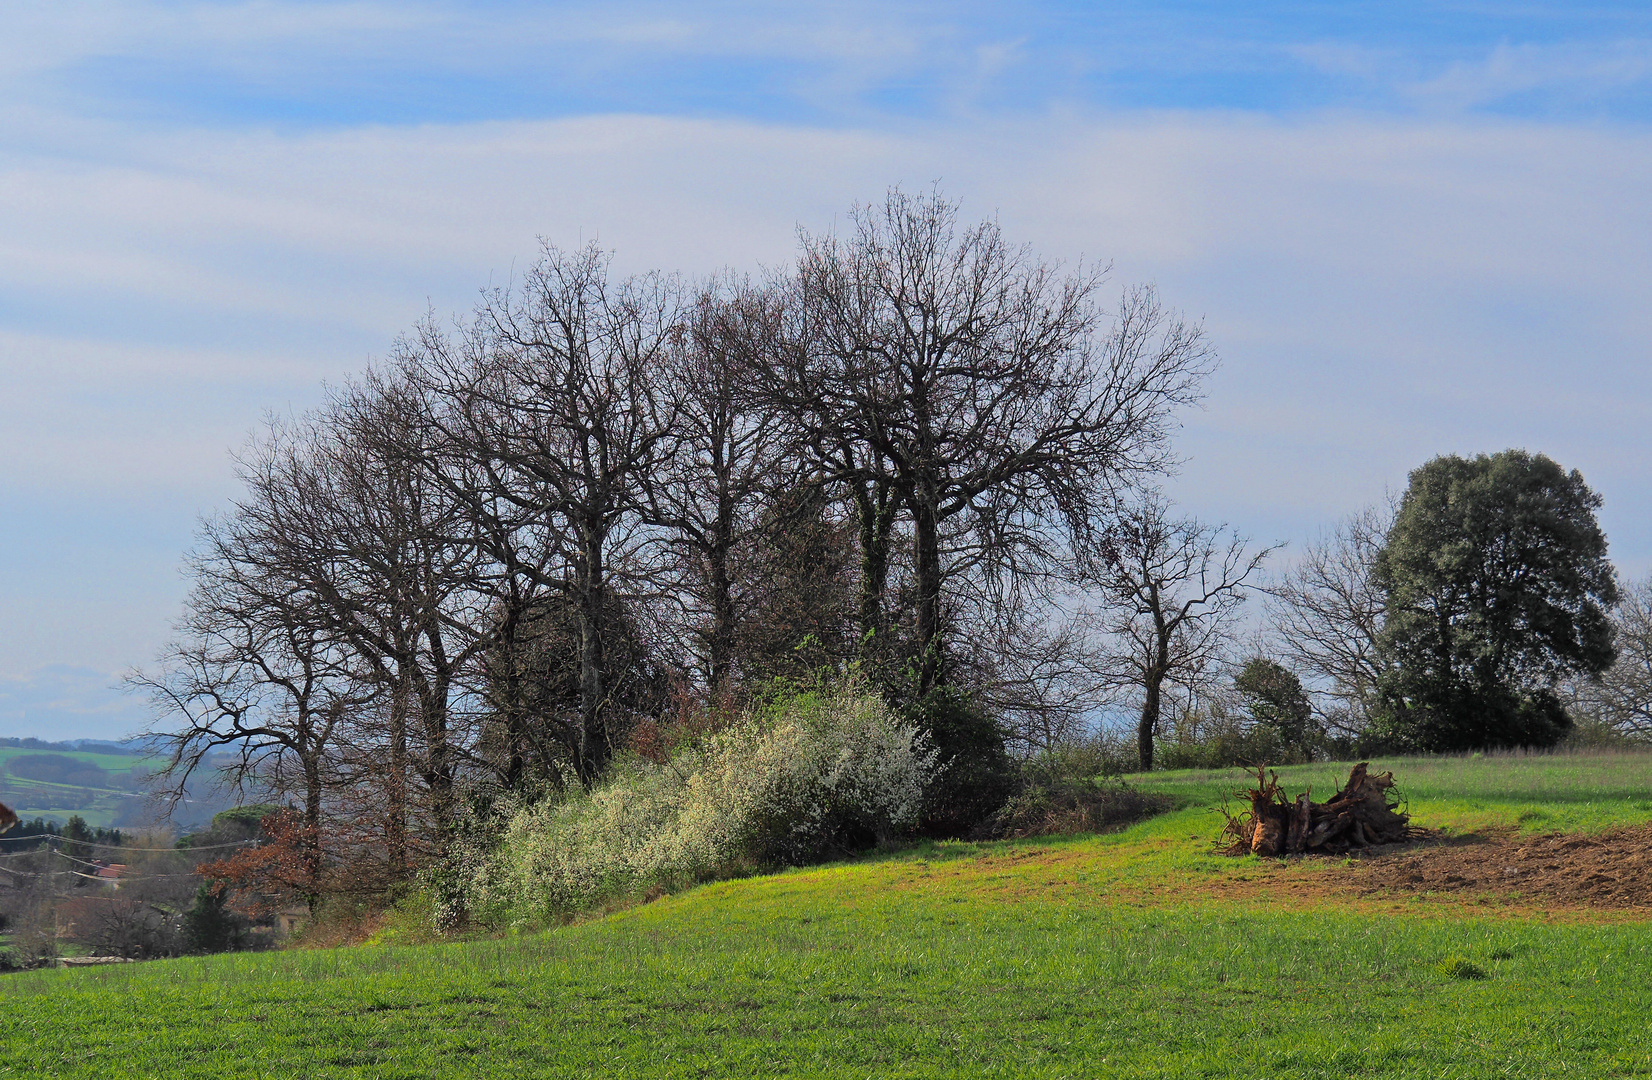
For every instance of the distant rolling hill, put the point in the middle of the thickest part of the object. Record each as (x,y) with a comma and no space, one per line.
(106,789)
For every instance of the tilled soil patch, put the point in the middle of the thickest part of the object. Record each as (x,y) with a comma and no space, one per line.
(1601,870)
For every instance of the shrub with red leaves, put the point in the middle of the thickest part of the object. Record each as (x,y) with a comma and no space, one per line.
(285,866)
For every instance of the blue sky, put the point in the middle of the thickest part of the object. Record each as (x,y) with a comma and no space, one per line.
(1410,228)
(307,64)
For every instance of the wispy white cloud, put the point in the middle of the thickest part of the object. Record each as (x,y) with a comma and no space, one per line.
(1541,77)
(276,36)
(1407,242)
(1347,59)
(1572,70)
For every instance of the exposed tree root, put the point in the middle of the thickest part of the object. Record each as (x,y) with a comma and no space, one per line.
(1359,816)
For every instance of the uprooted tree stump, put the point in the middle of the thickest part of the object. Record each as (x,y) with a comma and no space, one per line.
(1361,815)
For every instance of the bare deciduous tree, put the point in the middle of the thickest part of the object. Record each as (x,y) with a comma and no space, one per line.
(1621,696)
(386,549)
(1031,667)
(473,566)
(556,418)
(727,457)
(1172,587)
(1326,613)
(254,671)
(976,385)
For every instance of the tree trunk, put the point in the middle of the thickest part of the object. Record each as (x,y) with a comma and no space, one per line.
(1149,722)
(510,703)
(1153,684)
(927,570)
(1363,814)
(720,642)
(593,743)
(395,832)
(442,762)
(312,828)
(875,515)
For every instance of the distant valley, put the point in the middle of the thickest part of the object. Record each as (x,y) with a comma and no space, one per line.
(106,785)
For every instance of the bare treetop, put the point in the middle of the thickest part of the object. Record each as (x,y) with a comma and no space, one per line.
(1327,613)
(1172,589)
(985,385)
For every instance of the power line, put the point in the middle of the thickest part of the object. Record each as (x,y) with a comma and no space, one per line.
(92,877)
(46,838)
(125,877)
(60,854)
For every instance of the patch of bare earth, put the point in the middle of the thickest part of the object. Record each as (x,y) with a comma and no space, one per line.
(1601,871)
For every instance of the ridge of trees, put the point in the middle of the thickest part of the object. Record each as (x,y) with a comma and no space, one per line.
(600,507)
(601,513)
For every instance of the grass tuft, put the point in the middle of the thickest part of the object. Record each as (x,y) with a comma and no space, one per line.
(1461,967)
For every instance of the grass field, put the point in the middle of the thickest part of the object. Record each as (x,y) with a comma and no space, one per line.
(1136,954)
(106,762)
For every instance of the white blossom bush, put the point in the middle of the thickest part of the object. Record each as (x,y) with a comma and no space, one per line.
(817,775)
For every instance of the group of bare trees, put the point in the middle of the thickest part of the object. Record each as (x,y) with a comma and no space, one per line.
(485,564)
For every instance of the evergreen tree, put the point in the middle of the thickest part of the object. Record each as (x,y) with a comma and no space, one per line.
(1275,698)
(1497,588)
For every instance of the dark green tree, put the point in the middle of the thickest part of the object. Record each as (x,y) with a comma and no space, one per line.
(1274,697)
(1497,588)
(210,925)
(77,837)
(977,775)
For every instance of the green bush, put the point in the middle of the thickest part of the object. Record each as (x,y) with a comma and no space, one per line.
(806,777)
(1073,787)
(1100,754)
(1216,736)
(211,926)
(977,774)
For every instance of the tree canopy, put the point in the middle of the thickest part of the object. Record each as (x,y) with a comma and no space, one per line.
(1497,589)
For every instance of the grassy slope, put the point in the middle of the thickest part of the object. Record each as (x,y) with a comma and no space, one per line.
(1131,955)
(106,762)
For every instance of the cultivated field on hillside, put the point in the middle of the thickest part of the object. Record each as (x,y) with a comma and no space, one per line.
(1134,954)
(114,799)
(106,793)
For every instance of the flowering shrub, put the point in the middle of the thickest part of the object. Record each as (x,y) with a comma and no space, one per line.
(811,776)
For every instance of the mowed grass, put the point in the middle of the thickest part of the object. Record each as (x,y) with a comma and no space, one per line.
(1138,954)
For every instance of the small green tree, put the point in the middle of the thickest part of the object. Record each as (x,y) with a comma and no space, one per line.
(210,925)
(77,838)
(1497,588)
(1274,698)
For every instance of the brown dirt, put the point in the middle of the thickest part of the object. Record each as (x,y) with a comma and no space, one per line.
(1607,870)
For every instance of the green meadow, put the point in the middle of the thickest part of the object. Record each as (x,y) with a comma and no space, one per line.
(1136,954)
(102,803)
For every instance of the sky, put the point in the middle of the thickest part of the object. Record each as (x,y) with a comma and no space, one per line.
(1410,229)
